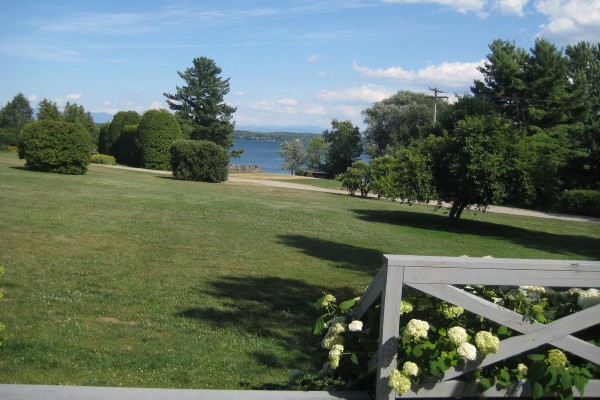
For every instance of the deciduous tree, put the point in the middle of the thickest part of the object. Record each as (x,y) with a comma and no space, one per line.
(292,153)
(345,146)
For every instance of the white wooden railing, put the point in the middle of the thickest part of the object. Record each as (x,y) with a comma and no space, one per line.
(436,275)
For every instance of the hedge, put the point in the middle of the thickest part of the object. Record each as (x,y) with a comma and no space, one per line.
(102,159)
(199,161)
(581,202)
(55,146)
(157,131)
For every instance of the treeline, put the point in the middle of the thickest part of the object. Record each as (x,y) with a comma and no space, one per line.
(278,136)
(528,135)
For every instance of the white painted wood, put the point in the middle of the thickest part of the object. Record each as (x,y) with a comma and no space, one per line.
(389,331)
(507,317)
(48,392)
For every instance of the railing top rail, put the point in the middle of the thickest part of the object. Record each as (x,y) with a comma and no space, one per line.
(396,260)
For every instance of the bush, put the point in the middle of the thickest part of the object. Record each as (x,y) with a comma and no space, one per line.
(199,161)
(128,145)
(55,146)
(581,202)
(356,177)
(9,136)
(8,148)
(157,131)
(102,159)
(108,141)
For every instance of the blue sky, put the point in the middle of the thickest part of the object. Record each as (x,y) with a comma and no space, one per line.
(299,62)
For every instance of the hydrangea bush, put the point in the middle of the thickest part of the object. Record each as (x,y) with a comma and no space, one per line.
(436,336)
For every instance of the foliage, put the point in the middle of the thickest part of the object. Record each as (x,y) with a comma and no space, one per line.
(316,152)
(583,202)
(157,131)
(382,179)
(102,159)
(16,113)
(357,177)
(440,336)
(201,103)
(108,141)
(129,146)
(9,136)
(199,160)
(397,120)
(345,146)
(8,148)
(55,146)
(76,114)
(293,155)
(48,109)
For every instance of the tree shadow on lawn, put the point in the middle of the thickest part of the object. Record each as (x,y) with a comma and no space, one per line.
(277,309)
(578,246)
(360,259)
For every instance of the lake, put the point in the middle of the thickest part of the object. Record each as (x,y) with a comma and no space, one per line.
(259,152)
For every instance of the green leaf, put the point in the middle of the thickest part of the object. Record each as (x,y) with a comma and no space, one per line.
(319,325)
(537,391)
(417,351)
(579,382)
(566,380)
(354,359)
(502,330)
(485,384)
(536,357)
(348,304)
(505,375)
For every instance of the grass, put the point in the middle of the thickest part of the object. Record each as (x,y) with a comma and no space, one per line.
(124,278)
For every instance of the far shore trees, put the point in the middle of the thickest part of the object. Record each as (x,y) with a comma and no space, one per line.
(200,103)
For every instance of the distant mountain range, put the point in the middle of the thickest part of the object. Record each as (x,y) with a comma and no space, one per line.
(101,117)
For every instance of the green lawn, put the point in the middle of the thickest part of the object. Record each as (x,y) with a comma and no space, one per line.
(124,278)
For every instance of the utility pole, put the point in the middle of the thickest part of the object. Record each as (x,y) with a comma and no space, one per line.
(435,97)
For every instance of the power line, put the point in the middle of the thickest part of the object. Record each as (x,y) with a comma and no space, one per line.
(435,97)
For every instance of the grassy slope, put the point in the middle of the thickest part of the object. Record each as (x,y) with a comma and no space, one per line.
(135,279)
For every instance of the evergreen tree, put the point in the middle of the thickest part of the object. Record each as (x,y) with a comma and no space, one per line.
(48,110)
(16,113)
(201,101)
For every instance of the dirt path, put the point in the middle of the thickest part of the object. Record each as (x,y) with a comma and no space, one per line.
(269,180)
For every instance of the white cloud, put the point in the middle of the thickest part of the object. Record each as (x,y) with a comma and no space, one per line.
(366,94)
(33,97)
(73,96)
(314,58)
(516,7)
(570,21)
(156,105)
(462,6)
(452,74)
(285,106)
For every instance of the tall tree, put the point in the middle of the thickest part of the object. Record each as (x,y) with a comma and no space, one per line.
(48,110)
(397,120)
(201,101)
(292,153)
(316,152)
(504,79)
(16,113)
(109,140)
(76,114)
(345,146)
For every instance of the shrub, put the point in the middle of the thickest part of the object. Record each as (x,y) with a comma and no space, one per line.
(129,151)
(9,136)
(356,177)
(199,161)
(108,142)
(102,159)
(582,202)
(8,148)
(55,146)
(157,131)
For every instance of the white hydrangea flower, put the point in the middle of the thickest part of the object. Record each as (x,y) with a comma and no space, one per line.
(467,351)
(399,382)
(486,343)
(337,328)
(410,369)
(405,307)
(533,289)
(331,340)
(588,298)
(451,312)
(457,335)
(522,368)
(487,257)
(334,355)
(355,326)
(416,329)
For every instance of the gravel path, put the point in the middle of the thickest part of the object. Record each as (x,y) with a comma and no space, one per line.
(299,186)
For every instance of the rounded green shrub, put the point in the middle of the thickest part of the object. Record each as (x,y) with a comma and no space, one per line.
(157,131)
(199,161)
(108,141)
(129,147)
(102,159)
(55,146)
(581,202)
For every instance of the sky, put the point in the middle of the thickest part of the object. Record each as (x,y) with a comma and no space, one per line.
(300,62)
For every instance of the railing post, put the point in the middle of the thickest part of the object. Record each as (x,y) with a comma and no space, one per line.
(389,330)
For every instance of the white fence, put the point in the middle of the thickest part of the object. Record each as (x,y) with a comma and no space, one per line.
(436,275)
